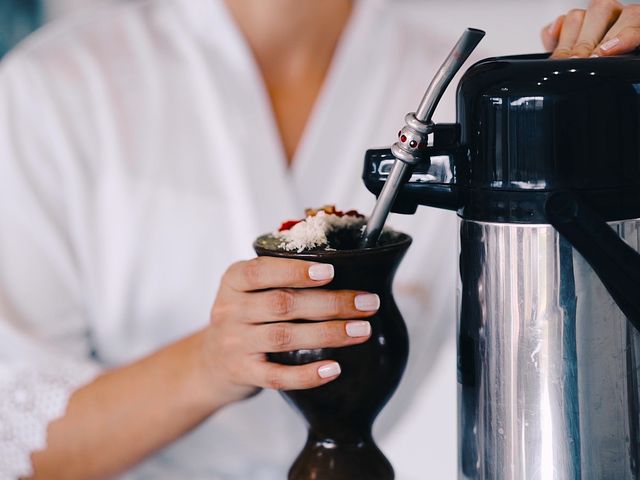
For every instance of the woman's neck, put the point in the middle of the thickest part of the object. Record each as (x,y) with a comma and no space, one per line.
(293,43)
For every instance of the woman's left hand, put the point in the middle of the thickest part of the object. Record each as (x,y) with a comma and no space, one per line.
(605,28)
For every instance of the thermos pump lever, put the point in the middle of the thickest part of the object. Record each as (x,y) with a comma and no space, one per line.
(411,147)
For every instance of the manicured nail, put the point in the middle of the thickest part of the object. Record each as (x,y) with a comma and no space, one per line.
(574,56)
(594,55)
(367,302)
(329,370)
(552,27)
(358,329)
(609,44)
(321,271)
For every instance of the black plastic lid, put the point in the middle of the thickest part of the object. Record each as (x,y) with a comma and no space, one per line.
(533,126)
(531,123)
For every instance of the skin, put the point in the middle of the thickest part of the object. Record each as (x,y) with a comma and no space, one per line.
(605,28)
(105,432)
(293,45)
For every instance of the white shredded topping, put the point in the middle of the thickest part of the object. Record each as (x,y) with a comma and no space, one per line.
(312,231)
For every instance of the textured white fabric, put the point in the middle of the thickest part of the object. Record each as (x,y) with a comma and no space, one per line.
(139,158)
(31,396)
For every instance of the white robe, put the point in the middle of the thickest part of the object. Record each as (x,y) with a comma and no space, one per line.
(139,157)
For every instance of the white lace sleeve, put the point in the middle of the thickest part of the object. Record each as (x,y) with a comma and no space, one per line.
(31,397)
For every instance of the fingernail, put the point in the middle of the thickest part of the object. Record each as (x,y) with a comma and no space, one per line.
(552,27)
(574,56)
(594,55)
(367,302)
(358,329)
(321,271)
(609,44)
(329,370)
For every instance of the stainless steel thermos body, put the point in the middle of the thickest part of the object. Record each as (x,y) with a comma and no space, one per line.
(548,364)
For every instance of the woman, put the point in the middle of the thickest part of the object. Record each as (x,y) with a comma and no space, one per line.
(141,151)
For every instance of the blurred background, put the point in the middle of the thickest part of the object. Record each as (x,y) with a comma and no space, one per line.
(20,17)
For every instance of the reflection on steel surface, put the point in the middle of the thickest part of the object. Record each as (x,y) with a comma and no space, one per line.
(548,365)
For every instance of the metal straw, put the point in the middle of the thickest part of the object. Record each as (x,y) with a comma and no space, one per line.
(409,152)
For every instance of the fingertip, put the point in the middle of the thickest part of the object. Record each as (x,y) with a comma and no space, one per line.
(548,42)
(610,52)
(321,272)
(359,329)
(610,45)
(560,54)
(557,26)
(546,37)
(329,370)
(626,39)
(553,30)
(367,302)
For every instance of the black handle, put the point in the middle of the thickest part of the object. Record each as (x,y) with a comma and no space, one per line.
(615,262)
(421,186)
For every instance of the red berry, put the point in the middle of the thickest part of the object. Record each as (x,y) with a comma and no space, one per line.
(288,225)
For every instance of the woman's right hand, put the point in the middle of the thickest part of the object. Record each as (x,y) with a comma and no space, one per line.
(251,317)
(605,28)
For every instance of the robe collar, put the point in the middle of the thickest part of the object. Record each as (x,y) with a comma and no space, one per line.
(329,157)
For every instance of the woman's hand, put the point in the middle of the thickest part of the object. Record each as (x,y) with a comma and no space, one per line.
(251,316)
(606,28)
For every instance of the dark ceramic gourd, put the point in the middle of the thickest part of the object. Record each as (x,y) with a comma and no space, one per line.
(340,414)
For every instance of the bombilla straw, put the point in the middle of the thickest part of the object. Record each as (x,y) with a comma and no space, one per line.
(454,61)
(419,123)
